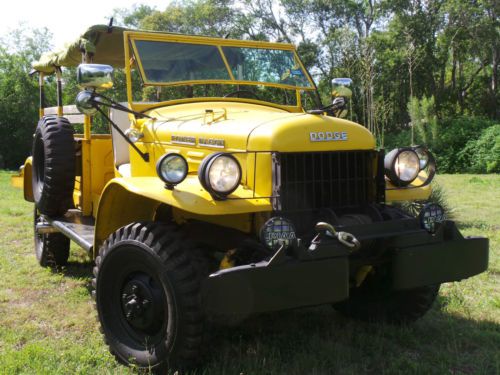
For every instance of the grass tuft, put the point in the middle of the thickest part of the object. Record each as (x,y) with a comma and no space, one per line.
(438,196)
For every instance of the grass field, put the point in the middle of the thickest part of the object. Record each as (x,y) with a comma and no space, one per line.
(48,324)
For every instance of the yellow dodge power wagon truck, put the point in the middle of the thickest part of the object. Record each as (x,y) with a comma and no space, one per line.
(216,195)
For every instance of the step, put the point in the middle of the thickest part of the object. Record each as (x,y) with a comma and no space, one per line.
(77,227)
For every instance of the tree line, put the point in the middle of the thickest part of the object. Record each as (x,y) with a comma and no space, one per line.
(424,71)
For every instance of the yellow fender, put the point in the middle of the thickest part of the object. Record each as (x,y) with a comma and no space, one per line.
(126,200)
(27,181)
(23,180)
(420,193)
(419,189)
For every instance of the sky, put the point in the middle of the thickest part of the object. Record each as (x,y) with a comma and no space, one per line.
(65,19)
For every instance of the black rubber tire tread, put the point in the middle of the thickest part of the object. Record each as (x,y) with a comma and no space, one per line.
(168,243)
(53,187)
(377,302)
(51,249)
(54,251)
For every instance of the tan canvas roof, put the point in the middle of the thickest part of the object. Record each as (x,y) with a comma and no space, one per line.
(105,43)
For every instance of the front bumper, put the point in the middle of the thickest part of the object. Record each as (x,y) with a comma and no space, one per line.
(315,275)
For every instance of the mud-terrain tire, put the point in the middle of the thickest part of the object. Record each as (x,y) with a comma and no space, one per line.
(148,299)
(376,301)
(51,249)
(53,176)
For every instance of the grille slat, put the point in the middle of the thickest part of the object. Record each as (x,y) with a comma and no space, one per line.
(314,180)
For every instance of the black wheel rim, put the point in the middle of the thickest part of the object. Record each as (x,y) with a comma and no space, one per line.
(142,304)
(39,238)
(132,300)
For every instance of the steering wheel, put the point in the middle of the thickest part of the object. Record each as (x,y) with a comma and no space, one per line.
(247,93)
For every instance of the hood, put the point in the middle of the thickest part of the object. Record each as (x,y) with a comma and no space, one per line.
(234,126)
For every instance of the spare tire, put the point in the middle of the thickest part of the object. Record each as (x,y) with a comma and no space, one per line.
(53,176)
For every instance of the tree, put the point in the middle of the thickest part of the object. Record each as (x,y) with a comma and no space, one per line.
(394,51)
(19,99)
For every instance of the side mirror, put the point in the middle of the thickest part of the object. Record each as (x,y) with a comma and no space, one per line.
(341,87)
(341,94)
(95,76)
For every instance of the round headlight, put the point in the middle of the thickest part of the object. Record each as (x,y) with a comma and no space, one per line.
(220,174)
(85,103)
(172,168)
(407,166)
(402,166)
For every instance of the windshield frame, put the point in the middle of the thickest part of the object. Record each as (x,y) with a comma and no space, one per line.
(133,58)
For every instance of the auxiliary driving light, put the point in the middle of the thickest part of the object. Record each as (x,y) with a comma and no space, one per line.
(85,103)
(402,166)
(172,168)
(431,214)
(134,135)
(277,232)
(423,155)
(220,174)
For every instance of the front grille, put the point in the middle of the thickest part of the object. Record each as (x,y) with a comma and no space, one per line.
(315,180)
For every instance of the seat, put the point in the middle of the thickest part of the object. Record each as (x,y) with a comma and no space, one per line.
(120,146)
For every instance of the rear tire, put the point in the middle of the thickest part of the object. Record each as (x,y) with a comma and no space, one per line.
(376,301)
(51,249)
(53,176)
(148,298)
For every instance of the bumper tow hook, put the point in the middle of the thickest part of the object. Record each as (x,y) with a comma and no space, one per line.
(345,238)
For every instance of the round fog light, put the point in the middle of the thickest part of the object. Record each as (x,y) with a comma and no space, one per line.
(172,168)
(277,232)
(431,214)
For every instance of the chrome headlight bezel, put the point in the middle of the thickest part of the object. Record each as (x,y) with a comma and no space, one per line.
(134,135)
(163,161)
(426,162)
(391,163)
(205,179)
(424,156)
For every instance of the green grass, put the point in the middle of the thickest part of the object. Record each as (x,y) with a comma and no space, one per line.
(48,323)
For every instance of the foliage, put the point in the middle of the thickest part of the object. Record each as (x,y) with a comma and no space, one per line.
(483,155)
(19,97)
(423,119)
(454,149)
(446,53)
(460,145)
(438,196)
(206,17)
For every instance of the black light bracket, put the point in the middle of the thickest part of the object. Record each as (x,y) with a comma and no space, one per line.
(112,104)
(339,104)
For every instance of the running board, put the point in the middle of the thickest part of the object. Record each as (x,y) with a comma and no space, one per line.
(77,227)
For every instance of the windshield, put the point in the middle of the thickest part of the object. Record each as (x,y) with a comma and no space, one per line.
(171,63)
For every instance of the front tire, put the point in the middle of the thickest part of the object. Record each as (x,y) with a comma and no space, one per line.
(148,297)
